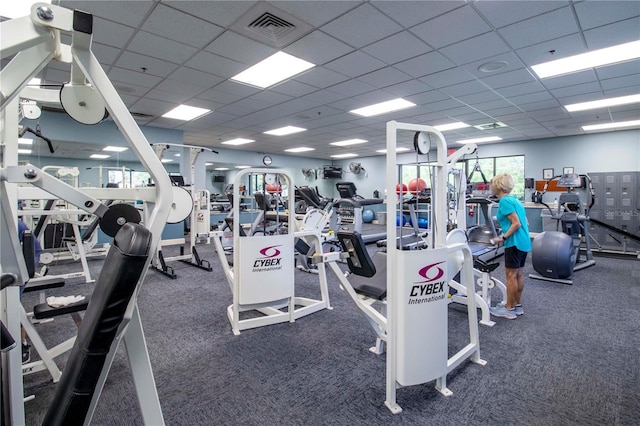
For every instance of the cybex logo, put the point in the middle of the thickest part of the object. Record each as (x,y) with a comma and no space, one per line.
(431,273)
(432,288)
(270,251)
(270,261)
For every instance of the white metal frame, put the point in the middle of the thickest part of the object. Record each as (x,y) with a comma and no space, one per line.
(272,311)
(32,42)
(397,258)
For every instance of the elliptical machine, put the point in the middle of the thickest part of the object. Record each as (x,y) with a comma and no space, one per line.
(556,254)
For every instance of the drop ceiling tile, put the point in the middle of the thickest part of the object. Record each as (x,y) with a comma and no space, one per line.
(576,90)
(513,81)
(153,107)
(397,48)
(111,33)
(153,66)
(238,109)
(126,77)
(56,76)
(443,105)
(214,64)
(183,90)
(531,97)
(106,55)
(409,87)
(511,64)
(361,26)
(466,88)
(355,64)
(541,109)
(195,77)
(487,105)
(548,26)
(222,13)
(438,33)
(318,48)
(620,70)
(446,78)
(351,88)
(426,64)
(410,13)
(269,98)
(181,27)
(501,111)
(502,13)
(610,35)
(129,89)
(630,82)
(384,77)
(293,88)
(239,48)
(149,44)
(321,77)
(569,80)
(125,12)
(478,48)
(426,98)
(593,14)
(561,47)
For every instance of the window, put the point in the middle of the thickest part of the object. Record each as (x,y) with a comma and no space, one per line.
(492,166)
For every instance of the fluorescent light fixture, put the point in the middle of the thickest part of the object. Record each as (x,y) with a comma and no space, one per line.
(596,58)
(617,125)
(208,164)
(348,142)
(25,141)
(24,151)
(283,131)
(242,167)
(399,149)
(383,107)
(604,103)
(237,141)
(99,156)
(176,155)
(344,155)
(272,70)
(34,82)
(166,160)
(480,140)
(221,168)
(114,148)
(16,9)
(452,126)
(186,113)
(300,149)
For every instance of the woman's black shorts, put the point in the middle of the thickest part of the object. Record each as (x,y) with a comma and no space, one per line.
(514,258)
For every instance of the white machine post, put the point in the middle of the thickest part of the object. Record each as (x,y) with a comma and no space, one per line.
(417,287)
(31,42)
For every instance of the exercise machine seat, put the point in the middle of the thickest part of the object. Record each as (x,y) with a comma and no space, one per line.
(368,275)
(123,267)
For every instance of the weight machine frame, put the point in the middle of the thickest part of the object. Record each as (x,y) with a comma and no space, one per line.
(32,42)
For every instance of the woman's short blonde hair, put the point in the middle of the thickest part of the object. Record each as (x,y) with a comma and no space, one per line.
(503,182)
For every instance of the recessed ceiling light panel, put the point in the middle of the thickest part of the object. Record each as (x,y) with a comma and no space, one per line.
(604,103)
(618,125)
(383,107)
(238,141)
(300,149)
(480,140)
(186,113)
(276,68)
(348,142)
(283,131)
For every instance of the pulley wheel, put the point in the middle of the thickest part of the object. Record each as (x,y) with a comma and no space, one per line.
(181,206)
(116,216)
(83,103)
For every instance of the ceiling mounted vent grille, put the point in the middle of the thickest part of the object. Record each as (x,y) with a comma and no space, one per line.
(270,25)
(490,126)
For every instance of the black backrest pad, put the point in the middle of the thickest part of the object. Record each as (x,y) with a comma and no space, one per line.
(375,286)
(359,261)
(121,272)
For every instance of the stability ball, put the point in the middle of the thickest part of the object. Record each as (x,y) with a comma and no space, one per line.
(367,215)
(423,222)
(401,191)
(401,220)
(416,185)
(271,189)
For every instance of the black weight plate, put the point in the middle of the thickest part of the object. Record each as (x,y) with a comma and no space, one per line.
(116,216)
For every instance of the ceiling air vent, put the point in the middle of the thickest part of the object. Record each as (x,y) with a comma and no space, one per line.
(268,24)
(490,126)
(271,27)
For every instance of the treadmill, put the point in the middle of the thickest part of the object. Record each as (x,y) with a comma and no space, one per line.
(479,236)
(370,232)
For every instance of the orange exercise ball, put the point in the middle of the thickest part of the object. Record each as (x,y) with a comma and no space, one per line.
(416,185)
(272,189)
(401,191)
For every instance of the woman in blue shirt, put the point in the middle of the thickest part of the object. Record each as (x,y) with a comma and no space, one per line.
(517,243)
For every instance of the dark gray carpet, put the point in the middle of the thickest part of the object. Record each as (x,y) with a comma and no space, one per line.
(572,359)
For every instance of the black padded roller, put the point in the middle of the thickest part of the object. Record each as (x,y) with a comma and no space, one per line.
(121,272)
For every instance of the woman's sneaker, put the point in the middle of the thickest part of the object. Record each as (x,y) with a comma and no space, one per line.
(518,308)
(26,353)
(502,311)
